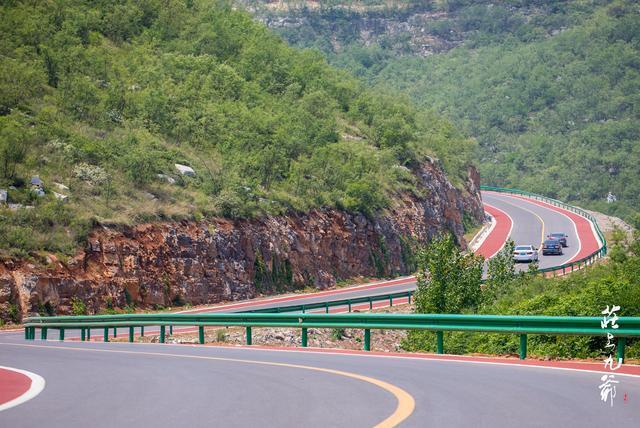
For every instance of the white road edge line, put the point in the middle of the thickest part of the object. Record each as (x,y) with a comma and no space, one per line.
(593,231)
(298,296)
(37,385)
(542,224)
(482,235)
(322,351)
(510,229)
(575,227)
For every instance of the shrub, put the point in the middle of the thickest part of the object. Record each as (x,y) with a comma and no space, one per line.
(78,307)
(338,333)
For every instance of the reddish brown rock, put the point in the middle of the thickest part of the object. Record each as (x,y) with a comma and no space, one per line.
(221,259)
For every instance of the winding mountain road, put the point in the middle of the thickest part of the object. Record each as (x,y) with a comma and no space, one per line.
(524,220)
(126,385)
(120,384)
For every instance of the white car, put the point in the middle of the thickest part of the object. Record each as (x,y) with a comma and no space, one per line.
(525,253)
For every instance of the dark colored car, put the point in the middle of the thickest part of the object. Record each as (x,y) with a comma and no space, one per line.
(562,237)
(551,246)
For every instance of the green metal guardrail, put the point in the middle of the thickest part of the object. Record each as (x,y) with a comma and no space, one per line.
(567,267)
(583,262)
(439,323)
(333,303)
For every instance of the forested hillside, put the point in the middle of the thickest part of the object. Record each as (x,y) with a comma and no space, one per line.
(550,89)
(100,100)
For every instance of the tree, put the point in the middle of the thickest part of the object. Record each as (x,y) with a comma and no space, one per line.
(501,271)
(448,279)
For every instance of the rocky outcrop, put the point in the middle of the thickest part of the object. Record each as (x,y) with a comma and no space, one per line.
(210,261)
(414,28)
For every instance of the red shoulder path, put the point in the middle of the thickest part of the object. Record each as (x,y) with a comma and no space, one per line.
(588,242)
(12,385)
(255,302)
(498,236)
(625,369)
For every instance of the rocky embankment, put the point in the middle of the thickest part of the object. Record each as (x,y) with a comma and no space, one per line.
(404,28)
(173,263)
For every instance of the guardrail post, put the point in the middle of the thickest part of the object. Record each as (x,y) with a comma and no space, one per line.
(349,303)
(367,339)
(440,342)
(82,334)
(141,331)
(61,336)
(43,333)
(305,337)
(106,334)
(131,334)
(622,341)
(162,333)
(171,330)
(303,311)
(88,334)
(26,333)
(523,346)
(248,333)
(370,303)
(201,334)
(409,297)
(390,300)
(326,308)
(115,332)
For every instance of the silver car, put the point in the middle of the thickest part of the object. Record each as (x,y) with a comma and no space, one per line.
(525,253)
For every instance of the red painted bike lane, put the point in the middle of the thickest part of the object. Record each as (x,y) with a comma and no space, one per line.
(588,242)
(12,385)
(498,236)
(489,247)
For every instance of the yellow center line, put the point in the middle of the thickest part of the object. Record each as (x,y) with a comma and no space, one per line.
(405,407)
(535,214)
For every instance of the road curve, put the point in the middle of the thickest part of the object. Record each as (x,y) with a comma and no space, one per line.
(125,385)
(524,220)
(533,220)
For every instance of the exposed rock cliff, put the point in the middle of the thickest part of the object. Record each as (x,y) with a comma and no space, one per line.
(220,259)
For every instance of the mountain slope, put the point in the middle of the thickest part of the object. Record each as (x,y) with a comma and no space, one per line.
(549,89)
(105,97)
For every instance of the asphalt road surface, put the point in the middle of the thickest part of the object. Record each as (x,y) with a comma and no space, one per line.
(133,385)
(120,384)
(533,222)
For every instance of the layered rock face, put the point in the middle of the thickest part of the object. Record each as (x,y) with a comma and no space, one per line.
(165,264)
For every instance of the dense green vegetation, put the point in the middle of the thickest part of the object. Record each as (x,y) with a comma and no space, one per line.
(583,293)
(102,96)
(448,279)
(548,88)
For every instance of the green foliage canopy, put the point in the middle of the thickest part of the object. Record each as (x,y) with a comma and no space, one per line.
(106,95)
